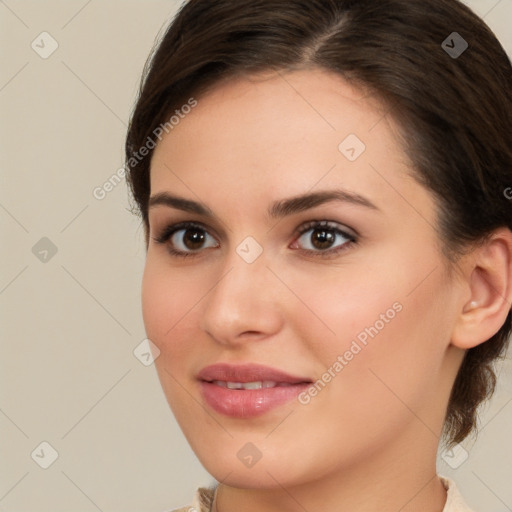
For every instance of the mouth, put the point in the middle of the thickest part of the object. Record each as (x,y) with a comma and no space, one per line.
(243,374)
(248,390)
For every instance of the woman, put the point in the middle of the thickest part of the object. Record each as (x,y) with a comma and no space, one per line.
(329,249)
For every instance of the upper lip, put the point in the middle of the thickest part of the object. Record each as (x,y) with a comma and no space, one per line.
(247,373)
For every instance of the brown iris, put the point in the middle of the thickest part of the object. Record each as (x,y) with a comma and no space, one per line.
(323,239)
(193,238)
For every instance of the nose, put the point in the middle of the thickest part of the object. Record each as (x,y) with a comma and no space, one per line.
(243,303)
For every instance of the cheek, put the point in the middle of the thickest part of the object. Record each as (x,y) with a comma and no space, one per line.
(340,306)
(168,311)
(380,335)
(168,301)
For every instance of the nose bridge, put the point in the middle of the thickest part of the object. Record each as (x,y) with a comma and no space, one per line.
(245,269)
(242,299)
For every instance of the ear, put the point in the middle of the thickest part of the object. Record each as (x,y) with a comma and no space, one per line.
(488,277)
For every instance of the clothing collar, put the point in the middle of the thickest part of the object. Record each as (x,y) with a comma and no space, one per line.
(204,496)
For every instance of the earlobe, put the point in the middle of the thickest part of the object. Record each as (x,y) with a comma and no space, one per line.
(489,280)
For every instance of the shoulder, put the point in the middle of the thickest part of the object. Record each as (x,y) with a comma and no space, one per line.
(454,500)
(202,501)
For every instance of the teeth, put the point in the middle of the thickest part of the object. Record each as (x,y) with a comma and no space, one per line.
(252,385)
(234,385)
(248,385)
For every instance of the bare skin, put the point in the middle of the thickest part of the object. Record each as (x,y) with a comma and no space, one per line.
(368,439)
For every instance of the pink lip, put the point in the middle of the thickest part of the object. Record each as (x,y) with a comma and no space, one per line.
(248,403)
(247,373)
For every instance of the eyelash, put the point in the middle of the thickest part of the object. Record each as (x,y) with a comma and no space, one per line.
(169,231)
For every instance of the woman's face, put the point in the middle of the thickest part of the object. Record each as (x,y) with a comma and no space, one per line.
(362,306)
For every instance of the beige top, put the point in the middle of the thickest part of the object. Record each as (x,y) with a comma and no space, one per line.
(204,496)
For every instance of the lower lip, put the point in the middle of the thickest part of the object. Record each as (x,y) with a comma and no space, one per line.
(248,403)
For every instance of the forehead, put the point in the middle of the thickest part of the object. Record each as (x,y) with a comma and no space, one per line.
(297,106)
(281,134)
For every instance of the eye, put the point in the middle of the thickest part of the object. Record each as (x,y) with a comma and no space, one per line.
(323,237)
(186,239)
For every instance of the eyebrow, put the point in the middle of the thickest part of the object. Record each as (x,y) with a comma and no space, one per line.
(279,209)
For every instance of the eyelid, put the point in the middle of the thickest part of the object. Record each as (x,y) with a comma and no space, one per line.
(170,229)
(331,224)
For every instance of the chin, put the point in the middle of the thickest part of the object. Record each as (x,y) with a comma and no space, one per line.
(235,462)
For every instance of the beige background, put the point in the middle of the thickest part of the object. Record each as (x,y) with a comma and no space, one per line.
(71,322)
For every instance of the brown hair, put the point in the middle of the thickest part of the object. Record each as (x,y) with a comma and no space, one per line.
(454,111)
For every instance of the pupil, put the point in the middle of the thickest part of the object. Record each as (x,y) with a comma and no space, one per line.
(193,239)
(324,239)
